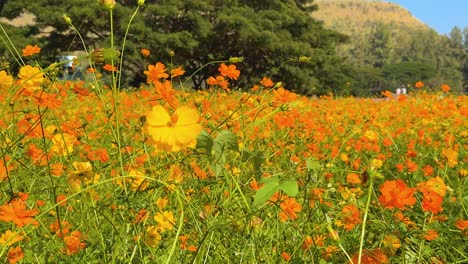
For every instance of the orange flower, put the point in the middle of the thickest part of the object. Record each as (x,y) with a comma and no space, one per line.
(267,82)
(219,81)
(15,254)
(73,243)
(374,256)
(286,256)
(387,94)
(461,224)
(351,216)
(5,168)
(61,200)
(30,50)
(109,68)
(431,234)
(166,92)
(436,185)
(316,195)
(177,72)
(173,132)
(400,217)
(396,194)
(155,72)
(60,230)
(428,170)
(229,71)
(141,217)
(411,165)
(17,213)
(445,88)
(47,100)
(282,95)
(309,241)
(254,185)
(145,52)
(290,207)
(419,85)
(353,178)
(432,202)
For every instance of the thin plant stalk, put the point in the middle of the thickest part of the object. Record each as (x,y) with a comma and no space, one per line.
(366,211)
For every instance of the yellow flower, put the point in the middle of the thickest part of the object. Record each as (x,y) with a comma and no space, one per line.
(62,144)
(6,81)
(31,77)
(371,135)
(172,133)
(83,173)
(9,238)
(376,163)
(137,180)
(451,155)
(153,236)
(391,244)
(165,220)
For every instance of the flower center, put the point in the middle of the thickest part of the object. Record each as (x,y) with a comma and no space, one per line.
(173,121)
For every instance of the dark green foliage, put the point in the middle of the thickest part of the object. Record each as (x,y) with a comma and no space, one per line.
(406,72)
(265,33)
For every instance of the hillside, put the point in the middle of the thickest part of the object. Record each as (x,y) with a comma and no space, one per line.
(359,16)
(388,45)
(368,22)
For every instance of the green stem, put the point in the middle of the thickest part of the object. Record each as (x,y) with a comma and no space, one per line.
(123,46)
(366,211)
(9,44)
(115,95)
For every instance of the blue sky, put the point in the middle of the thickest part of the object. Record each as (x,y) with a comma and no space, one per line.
(441,15)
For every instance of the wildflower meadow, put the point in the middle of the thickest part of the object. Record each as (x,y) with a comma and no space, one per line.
(92,172)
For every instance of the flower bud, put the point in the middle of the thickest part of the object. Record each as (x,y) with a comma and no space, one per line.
(108,3)
(145,52)
(67,19)
(141,2)
(236,59)
(304,59)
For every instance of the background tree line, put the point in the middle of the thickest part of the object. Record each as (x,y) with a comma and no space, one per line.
(265,33)
(389,47)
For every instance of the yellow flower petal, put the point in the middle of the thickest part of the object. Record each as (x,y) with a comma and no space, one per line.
(158,117)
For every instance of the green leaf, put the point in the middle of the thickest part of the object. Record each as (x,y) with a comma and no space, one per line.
(266,192)
(225,140)
(270,180)
(289,187)
(228,140)
(204,141)
(312,164)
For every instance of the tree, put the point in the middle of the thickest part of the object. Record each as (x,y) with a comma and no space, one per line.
(381,45)
(265,33)
(407,72)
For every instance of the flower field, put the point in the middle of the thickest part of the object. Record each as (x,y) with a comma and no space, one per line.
(163,175)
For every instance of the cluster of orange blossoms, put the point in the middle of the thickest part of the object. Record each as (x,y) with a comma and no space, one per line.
(330,147)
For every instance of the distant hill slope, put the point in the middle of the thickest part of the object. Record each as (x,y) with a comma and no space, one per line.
(381,32)
(359,16)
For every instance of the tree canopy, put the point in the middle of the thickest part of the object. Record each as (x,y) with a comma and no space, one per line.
(265,33)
